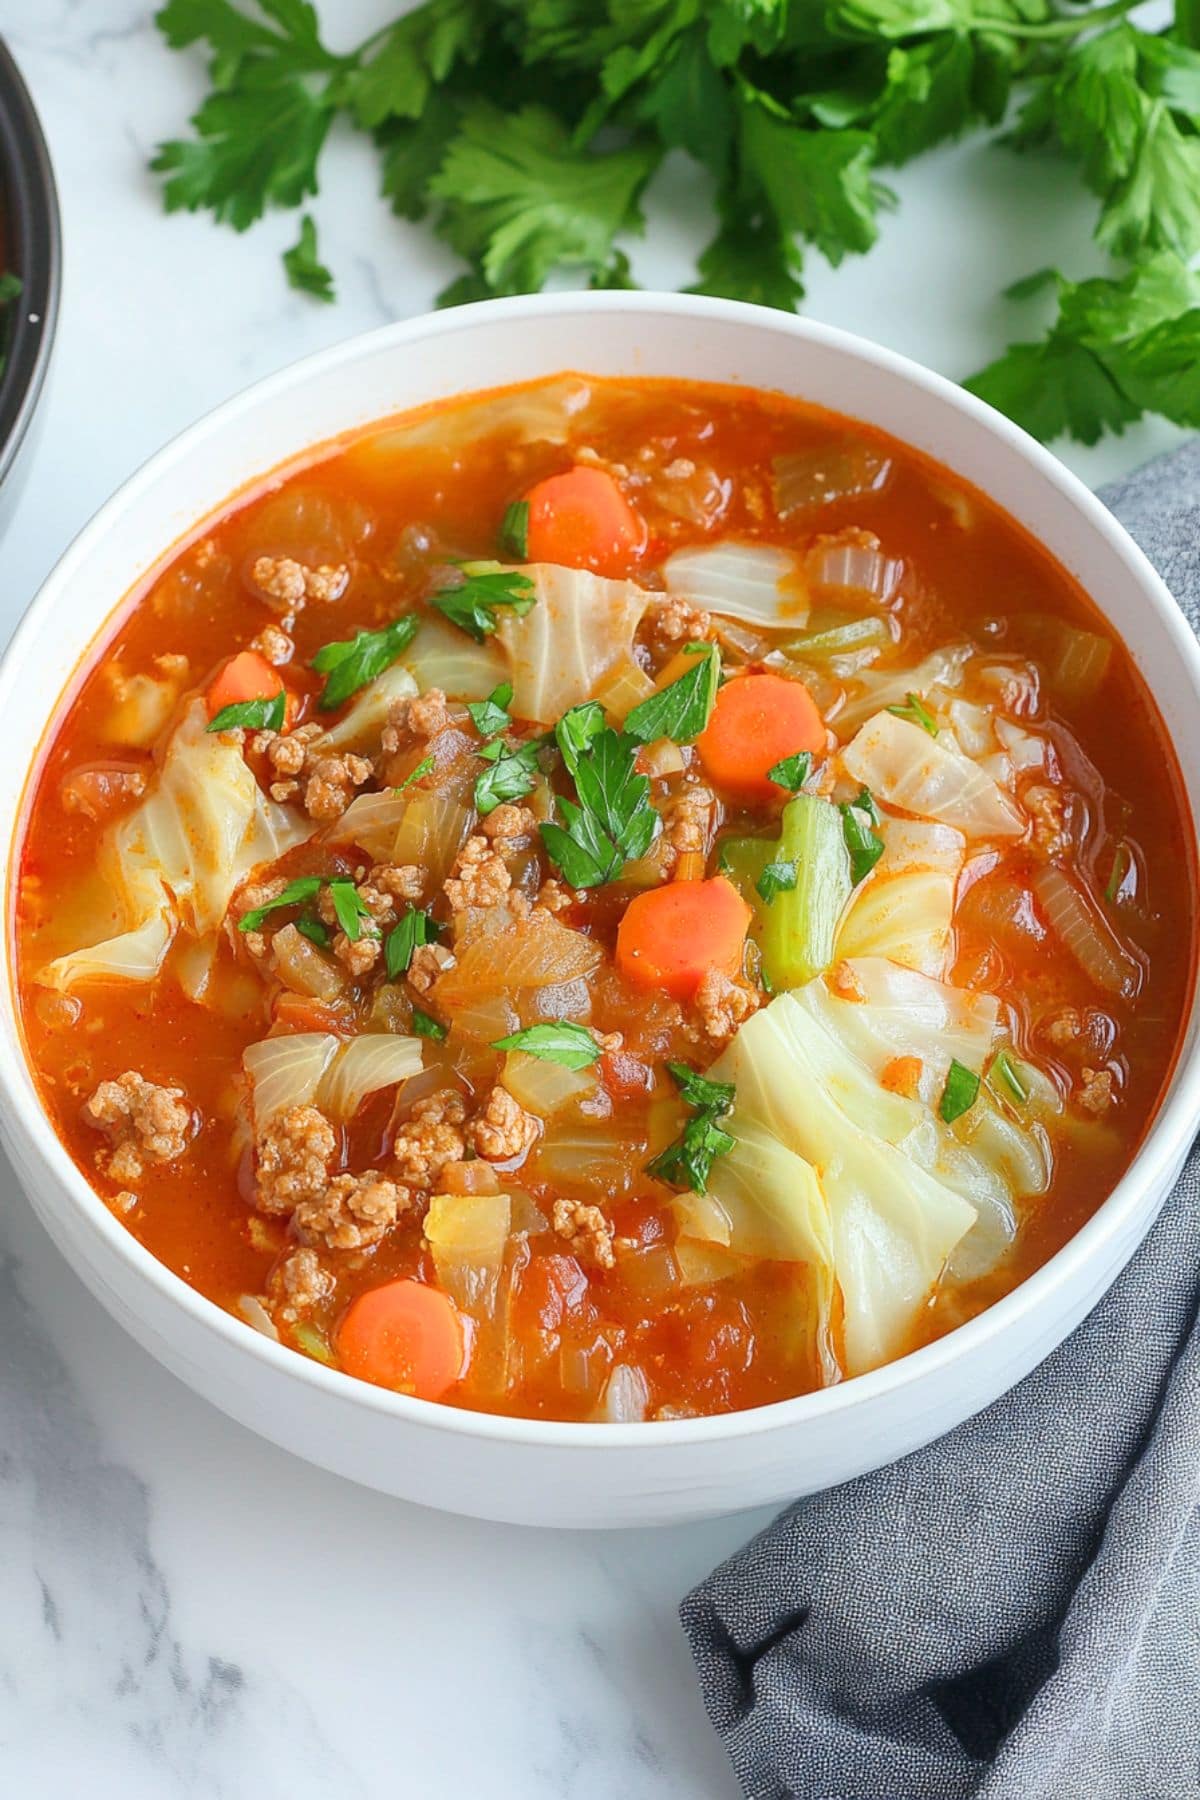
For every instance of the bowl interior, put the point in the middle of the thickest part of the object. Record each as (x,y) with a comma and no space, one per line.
(474,348)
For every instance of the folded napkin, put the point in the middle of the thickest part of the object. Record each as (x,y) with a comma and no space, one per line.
(1012,1613)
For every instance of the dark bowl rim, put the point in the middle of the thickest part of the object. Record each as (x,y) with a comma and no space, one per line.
(33,246)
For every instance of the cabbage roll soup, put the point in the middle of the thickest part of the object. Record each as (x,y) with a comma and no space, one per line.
(605,901)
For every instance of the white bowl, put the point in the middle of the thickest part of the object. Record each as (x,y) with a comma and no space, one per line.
(526,1471)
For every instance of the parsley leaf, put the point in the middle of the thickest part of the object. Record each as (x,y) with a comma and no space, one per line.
(917,713)
(491,716)
(305,887)
(960,1093)
(817,184)
(681,710)
(791,772)
(253,715)
(776,878)
(423,768)
(415,928)
(350,664)
(522,199)
(315,930)
(472,603)
(613,822)
(510,774)
(573,1046)
(689,1161)
(864,846)
(305,270)
(426,1026)
(577,729)
(514,530)
(353,915)
(1006,1070)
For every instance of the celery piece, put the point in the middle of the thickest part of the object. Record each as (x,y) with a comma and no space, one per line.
(838,640)
(742,860)
(800,924)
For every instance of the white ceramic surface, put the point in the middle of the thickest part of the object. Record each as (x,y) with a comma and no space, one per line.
(535,1472)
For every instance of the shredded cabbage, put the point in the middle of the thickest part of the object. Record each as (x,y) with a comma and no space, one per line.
(893,1223)
(177,858)
(743,581)
(938,675)
(363,1066)
(579,629)
(905,908)
(444,657)
(305,1068)
(930,776)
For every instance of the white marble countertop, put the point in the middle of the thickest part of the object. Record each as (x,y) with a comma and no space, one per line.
(185,1610)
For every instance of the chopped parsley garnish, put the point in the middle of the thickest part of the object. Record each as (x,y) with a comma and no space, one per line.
(576,730)
(917,713)
(423,768)
(689,1161)
(350,664)
(252,715)
(296,893)
(865,847)
(561,1042)
(490,716)
(426,1026)
(776,878)
(791,772)
(1121,864)
(960,1092)
(314,930)
(415,928)
(510,774)
(303,266)
(353,915)
(1004,1069)
(472,603)
(611,822)
(681,710)
(514,530)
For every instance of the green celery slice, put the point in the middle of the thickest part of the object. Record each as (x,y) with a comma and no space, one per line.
(800,924)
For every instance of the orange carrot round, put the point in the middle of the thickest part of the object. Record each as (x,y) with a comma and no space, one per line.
(671,936)
(583,519)
(246,676)
(756,722)
(406,1336)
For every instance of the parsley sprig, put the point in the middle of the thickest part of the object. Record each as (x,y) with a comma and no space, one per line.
(252,715)
(415,928)
(572,1046)
(688,1162)
(471,603)
(681,710)
(791,113)
(611,821)
(349,664)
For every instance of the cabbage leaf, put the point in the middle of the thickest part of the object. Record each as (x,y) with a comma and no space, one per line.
(579,629)
(905,908)
(930,776)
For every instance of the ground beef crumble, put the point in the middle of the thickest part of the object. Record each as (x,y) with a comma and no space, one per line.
(586,1230)
(509,827)
(286,584)
(504,1131)
(274,645)
(673,621)
(428,962)
(302,1281)
(687,823)
(430,1139)
(294,1154)
(723,1004)
(143,1121)
(1095,1094)
(331,784)
(480,877)
(354,1210)
(1047,808)
(421,717)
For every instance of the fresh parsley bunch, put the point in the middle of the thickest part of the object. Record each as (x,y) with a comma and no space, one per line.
(791,108)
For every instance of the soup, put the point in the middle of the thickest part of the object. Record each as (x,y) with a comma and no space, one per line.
(606,900)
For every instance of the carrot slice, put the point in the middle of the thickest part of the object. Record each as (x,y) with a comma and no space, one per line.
(756,722)
(246,676)
(405,1336)
(670,937)
(583,519)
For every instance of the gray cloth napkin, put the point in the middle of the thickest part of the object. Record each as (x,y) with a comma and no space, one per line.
(1012,1613)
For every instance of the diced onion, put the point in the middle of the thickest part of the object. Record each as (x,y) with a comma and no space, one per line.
(1083,930)
(841,470)
(856,563)
(363,1066)
(744,581)
(286,1071)
(467,1234)
(526,953)
(255,1313)
(302,967)
(133,956)
(626,685)
(626,1397)
(425,826)
(543,1087)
